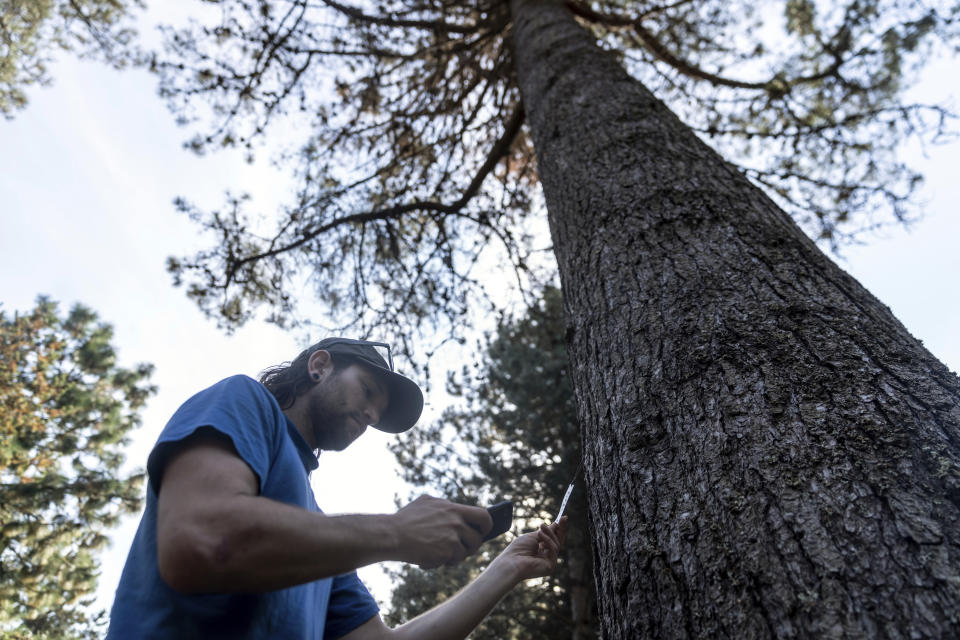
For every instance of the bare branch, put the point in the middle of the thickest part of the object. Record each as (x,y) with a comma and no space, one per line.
(429,25)
(660,50)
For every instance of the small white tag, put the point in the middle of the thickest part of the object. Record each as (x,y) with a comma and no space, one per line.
(563,505)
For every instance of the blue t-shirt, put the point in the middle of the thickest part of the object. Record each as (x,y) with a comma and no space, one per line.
(145,607)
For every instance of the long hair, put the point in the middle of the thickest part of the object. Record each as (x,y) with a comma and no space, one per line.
(289,380)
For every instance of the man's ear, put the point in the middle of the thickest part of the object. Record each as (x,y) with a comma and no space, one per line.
(320,365)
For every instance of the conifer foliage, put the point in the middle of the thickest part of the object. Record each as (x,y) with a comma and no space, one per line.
(403,126)
(513,435)
(66,410)
(32,31)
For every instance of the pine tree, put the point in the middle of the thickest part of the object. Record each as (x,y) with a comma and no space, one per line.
(32,30)
(767,451)
(514,436)
(66,411)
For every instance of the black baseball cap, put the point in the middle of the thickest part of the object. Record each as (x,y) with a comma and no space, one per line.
(406,398)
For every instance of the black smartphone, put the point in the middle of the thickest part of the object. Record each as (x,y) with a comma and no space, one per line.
(502,514)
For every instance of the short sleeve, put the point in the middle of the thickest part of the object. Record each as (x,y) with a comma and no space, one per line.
(350,606)
(239,408)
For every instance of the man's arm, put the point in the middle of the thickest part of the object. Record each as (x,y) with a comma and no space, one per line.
(532,555)
(216,534)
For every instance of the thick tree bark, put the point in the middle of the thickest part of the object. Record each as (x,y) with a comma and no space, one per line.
(768,452)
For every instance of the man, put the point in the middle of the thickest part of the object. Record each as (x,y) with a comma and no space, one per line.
(233,545)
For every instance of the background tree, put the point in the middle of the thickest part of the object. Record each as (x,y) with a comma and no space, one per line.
(31,31)
(768,452)
(515,437)
(66,410)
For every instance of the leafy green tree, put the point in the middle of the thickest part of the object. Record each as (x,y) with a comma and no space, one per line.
(66,411)
(768,452)
(32,30)
(515,436)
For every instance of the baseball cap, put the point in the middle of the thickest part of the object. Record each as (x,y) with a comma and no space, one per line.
(406,398)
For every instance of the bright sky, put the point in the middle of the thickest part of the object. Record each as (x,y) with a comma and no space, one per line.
(87,175)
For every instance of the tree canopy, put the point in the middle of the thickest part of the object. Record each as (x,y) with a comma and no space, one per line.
(66,410)
(404,129)
(513,435)
(32,30)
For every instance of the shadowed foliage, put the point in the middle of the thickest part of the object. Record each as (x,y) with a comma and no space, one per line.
(513,436)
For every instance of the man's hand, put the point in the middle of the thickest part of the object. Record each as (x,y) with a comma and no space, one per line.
(530,556)
(431,532)
(534,554)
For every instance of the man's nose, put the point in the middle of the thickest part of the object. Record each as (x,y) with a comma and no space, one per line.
(372,415)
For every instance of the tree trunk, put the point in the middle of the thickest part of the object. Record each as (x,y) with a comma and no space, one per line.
(768,452)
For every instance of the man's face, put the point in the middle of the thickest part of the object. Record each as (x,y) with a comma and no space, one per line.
(343,404)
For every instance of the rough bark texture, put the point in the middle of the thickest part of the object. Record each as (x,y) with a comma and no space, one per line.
(768,452)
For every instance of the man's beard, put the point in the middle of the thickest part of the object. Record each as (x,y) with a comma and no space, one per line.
(333,429)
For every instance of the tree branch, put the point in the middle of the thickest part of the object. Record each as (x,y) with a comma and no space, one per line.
(499,149)
(659,50)
(430,25)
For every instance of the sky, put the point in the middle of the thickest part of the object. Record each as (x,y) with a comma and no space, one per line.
(88,173)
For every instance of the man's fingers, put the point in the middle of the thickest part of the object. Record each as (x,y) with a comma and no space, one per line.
(471,539)
(549,541)
(437,531)
(550,532)
(477,517)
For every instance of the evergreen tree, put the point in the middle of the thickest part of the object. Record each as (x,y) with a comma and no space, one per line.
(515,436)
(32,30)
(767,451)
(66,410)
